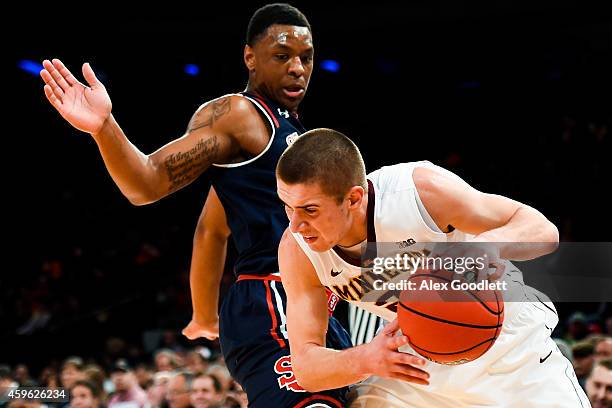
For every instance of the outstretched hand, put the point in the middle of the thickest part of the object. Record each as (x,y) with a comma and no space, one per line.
(84,107)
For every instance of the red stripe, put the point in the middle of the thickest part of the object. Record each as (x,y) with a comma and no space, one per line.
(259,277)
(269,111)
(281,342)
(319,397)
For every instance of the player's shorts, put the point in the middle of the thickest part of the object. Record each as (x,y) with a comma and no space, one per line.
(523,369)
(254,342)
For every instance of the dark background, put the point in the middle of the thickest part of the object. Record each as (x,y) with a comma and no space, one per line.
(512,96)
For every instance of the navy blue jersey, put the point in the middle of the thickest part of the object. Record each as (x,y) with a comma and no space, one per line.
(247,190)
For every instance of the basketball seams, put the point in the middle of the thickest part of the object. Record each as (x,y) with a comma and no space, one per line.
(498,323)
(500,312)
(438,319)
(491,340)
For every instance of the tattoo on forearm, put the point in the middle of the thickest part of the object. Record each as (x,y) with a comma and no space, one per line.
(208,115)
(184,167)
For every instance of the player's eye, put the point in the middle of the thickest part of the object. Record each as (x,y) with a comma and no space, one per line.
(282,57)
(307,59)
(310,210)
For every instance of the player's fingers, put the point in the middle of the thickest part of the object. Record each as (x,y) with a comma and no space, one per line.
(409,378)
(407,369)
(497,271)
(409,359)
(187,333)
(55,74)
(48,65)
(393,343)
(46,76)
(59,65)
(391,328)
(90,76)
(54,100)
(193,333)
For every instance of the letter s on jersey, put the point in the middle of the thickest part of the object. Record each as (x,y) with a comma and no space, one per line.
(287,378)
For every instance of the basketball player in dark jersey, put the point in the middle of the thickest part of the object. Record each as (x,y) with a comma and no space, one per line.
(237,139)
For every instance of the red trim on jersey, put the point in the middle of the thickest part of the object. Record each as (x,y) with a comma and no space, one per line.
(258,277)
(319,397)
(273,331)
(269,111)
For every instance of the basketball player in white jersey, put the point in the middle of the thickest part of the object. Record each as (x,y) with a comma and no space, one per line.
(333,209)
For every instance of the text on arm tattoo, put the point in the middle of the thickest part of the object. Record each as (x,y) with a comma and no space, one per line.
(184,167)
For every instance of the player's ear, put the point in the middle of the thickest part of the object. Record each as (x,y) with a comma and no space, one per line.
(249,57)
(355,196)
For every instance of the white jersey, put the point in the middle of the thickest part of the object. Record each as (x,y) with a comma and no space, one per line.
(396,218)
(524,367)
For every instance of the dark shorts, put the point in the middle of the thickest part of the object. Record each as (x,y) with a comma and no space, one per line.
(253,336)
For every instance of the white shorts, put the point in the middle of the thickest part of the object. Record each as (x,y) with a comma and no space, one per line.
(523,369)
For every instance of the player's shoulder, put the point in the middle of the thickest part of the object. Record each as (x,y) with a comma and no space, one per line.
(287,241)
(292,259)
(396,177)
(289,248)
(233,104)
(232,115)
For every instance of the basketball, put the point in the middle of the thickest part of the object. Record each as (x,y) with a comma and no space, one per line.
(447,322)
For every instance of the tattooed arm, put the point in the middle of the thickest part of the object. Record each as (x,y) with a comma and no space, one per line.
(211,137)
(218,132)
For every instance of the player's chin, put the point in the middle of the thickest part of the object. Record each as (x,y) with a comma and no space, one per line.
(320,245)
(291,103)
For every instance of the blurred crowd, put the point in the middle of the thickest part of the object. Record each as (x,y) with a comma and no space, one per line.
(182,377)
(188,379)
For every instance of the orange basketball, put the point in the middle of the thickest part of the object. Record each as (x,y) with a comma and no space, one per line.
(452,325)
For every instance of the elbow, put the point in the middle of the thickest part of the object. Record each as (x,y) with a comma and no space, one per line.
(546,237)
(138,202)
(304,377)
(307,383)
(142,198)
(551,237)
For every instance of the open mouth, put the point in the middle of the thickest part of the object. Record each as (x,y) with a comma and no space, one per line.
(309,239)
(293,91)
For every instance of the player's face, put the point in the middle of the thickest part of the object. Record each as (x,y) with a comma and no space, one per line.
(281,62)
(599,387)
(316,216)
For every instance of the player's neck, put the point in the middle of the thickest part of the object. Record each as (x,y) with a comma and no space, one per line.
(260,91)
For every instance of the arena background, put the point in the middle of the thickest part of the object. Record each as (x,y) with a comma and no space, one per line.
(511,95)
